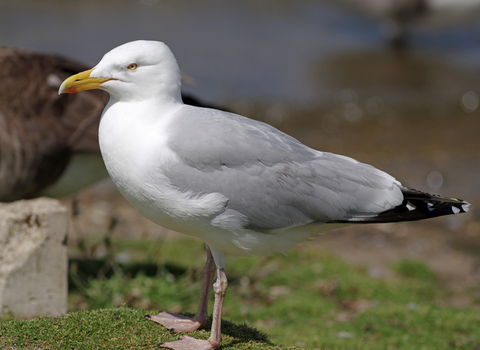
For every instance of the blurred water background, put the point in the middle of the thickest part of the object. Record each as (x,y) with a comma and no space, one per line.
(315,69)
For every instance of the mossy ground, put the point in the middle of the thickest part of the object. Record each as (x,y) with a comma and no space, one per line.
(309,299)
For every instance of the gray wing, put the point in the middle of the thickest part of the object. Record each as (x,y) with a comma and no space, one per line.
(273,180)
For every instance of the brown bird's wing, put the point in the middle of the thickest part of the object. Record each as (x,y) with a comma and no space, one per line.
(40,130)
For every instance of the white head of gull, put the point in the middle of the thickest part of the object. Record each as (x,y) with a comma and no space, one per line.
(240,185)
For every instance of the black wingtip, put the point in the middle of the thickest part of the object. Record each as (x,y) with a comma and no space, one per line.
(433,205)
(416,205)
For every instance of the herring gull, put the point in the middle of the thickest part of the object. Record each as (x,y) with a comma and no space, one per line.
(240,185)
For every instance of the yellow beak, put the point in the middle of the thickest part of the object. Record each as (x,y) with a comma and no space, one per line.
(81,82)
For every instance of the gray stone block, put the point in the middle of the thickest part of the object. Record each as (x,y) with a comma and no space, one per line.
(33,258)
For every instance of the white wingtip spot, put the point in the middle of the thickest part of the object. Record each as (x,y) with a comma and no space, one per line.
(456,210)
(411,206)
(465,207)
(430,206)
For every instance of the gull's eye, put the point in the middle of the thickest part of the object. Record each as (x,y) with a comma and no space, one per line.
(132,66)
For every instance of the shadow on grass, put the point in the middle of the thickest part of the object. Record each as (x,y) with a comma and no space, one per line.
(242,333)
(81,270)
(84,269)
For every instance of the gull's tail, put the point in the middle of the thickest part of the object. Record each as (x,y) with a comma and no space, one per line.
(416,205)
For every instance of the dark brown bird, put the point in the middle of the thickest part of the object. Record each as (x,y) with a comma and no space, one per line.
(48,142)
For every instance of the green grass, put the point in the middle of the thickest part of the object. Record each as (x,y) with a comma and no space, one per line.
(308,298)
(414,269)
(119,328)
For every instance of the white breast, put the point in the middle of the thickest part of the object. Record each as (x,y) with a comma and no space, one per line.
(135,152)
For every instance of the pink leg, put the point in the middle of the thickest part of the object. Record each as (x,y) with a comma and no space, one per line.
(186,342)
(180,323)
(220,288)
